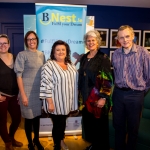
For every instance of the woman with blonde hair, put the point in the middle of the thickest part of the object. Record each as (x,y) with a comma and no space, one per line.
(95,83)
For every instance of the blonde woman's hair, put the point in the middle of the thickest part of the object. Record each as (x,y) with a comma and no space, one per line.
(95,34)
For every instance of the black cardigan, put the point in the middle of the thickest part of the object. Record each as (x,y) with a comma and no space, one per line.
(98,63)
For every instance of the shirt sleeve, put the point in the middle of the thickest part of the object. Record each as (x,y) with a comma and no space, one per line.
(19,64)
(146,71)
(47,85)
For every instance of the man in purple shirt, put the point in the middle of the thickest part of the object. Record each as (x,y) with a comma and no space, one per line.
(131,65)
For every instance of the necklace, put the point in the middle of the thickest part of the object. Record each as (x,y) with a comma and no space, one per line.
(91,55)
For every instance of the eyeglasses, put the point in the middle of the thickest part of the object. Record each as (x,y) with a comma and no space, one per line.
(3,44)
(33,39)
(125,37)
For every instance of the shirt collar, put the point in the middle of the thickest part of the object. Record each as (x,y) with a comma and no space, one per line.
(133,49)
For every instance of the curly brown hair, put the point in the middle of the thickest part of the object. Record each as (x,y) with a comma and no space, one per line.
(60,42)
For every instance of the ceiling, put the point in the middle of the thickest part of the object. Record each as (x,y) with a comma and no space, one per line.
(129,3)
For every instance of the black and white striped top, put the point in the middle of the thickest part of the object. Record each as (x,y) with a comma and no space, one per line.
(61,86)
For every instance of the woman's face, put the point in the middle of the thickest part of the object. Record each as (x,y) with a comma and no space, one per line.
(91,43)
(60,53)
(4,45)
(32,42)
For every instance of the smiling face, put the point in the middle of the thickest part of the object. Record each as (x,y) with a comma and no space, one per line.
(91,43)
(60,53)
(125,38)
(4,45)
(32,42)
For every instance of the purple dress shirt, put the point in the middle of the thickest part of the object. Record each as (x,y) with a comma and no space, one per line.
(132,70)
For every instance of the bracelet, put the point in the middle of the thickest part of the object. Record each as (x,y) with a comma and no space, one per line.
(104,98)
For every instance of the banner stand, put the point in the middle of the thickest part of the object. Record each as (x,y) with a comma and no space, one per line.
(73,126)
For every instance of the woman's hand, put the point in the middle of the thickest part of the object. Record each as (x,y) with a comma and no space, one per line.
(51,106)
(110,109)
(2,98)
(101,102)
(24,100)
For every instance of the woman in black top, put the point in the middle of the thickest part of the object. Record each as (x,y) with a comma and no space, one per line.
(95,83)
(8,95)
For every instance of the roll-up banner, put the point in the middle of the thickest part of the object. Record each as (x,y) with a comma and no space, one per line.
(73,124)
(68,23)
(61,22)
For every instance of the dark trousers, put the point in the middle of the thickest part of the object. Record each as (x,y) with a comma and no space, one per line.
(11,105)
(59,125)
(95,130)
(32,124)
(127,107)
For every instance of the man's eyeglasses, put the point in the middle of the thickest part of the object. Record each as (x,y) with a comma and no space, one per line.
(125,37)
(3,44)
(33,39)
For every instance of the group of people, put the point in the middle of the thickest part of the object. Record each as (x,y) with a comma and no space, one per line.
(57,85)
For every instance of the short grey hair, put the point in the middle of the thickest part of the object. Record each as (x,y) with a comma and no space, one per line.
(123,27)
(95,34)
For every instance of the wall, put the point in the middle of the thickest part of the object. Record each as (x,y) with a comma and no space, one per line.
(110,17)
(11,23)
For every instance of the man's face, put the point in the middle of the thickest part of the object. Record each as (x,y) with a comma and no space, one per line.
(125,38)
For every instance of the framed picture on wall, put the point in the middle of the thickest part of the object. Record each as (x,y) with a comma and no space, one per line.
(114,43)
(146,39)
(137,37)
(104,36)
(110,56)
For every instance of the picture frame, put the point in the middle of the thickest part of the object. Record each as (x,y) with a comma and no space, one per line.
(113,39)
(146,39)
(110,56)
(104,35)
(137,37)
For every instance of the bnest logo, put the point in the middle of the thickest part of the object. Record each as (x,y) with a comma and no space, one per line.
(57,19)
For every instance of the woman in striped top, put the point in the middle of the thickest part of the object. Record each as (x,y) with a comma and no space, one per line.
(59,90)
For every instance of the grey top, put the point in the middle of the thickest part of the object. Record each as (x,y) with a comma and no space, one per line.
(28,65)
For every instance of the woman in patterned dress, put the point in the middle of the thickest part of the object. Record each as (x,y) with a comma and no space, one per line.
(28,69)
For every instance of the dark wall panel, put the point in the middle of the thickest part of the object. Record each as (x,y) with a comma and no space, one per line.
(110,17)
(113,17)
(11,23)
